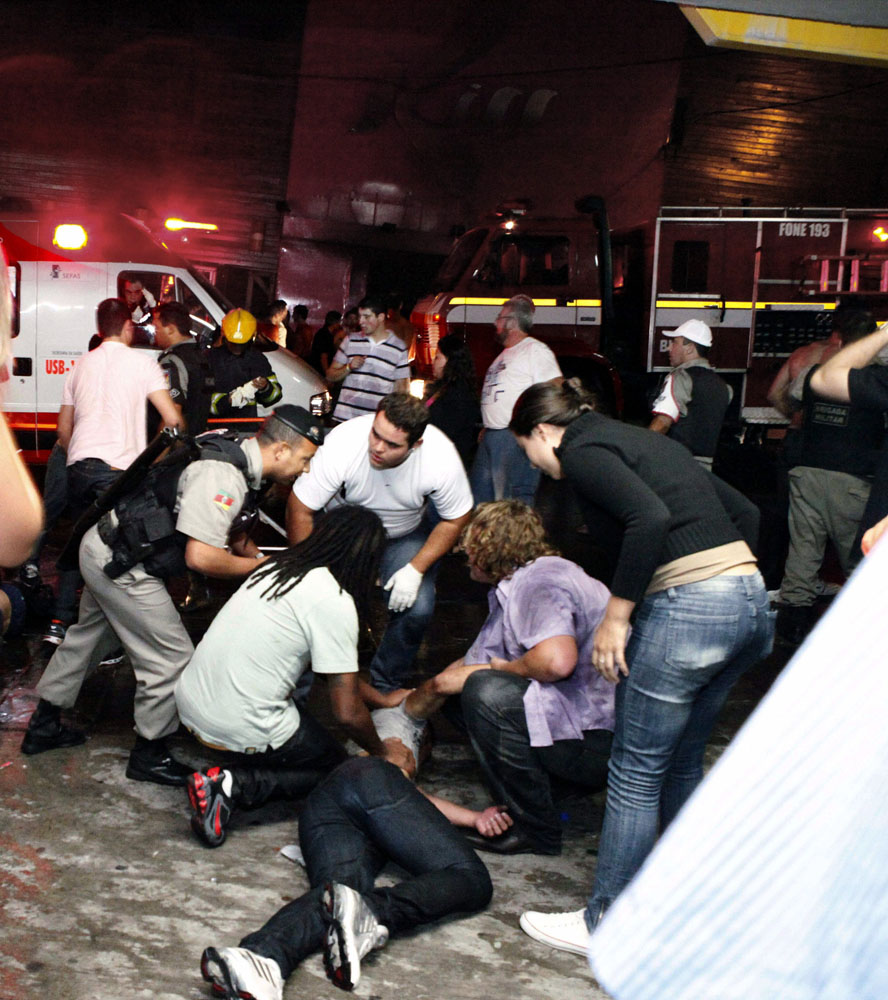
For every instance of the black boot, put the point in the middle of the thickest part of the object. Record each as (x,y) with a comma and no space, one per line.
(794,623)
(46,732)
(150,760)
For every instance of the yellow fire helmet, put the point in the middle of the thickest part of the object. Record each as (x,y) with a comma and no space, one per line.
(239,326)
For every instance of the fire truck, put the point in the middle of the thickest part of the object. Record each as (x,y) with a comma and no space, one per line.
(766,280)
(60,268)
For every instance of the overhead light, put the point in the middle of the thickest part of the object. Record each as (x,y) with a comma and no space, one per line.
(70,236)
(175,225)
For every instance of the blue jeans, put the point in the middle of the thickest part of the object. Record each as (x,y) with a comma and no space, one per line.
(392,665)
(501,470)
(365,814)
(689,646)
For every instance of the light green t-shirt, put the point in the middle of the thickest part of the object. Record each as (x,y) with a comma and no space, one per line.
(235,692)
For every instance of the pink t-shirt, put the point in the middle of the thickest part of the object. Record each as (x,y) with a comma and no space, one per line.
(108,388)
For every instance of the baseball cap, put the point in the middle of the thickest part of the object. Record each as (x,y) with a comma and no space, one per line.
(692,329)
(301,421)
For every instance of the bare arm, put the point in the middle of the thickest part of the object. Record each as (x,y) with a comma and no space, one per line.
(337,372)
(443,537)
(490,822)
(351,713)
(300,520)
(778,394)
(549,661)
(402,385)
(218,563)
(423,702)
(611,636)
(66,425)
(831,378)
(163,403)
(660,424)
(21,511)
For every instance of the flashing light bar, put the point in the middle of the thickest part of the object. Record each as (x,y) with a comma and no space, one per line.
(881,234)
(70,236)
(176,225)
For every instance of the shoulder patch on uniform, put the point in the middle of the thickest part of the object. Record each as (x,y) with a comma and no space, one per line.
(223,500)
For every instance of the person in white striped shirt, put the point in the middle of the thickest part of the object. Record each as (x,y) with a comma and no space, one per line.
(373,364)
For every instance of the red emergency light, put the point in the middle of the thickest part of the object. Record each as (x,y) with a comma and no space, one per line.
(70,236)
(176,225)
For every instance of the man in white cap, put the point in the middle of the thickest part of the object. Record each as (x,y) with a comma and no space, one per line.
(692,401)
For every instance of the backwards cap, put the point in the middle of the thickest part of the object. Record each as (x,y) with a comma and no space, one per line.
(297,418)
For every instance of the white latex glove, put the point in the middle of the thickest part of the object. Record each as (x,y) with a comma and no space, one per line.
(404,586)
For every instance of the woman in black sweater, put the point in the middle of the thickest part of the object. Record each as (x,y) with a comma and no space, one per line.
(687,577)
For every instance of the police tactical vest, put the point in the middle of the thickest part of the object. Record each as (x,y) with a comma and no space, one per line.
(196,378)
(146,523)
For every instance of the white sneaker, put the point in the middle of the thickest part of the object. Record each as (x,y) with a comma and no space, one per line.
(565,931)
(352,932)
(238,974)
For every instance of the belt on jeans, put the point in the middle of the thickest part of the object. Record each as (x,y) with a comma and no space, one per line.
(107,529)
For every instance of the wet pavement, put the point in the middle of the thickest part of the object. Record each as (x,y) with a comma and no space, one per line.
(105,893)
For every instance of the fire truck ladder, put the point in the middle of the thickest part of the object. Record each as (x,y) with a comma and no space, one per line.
(867,274)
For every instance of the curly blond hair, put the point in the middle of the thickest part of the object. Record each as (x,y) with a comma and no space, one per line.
(503,536)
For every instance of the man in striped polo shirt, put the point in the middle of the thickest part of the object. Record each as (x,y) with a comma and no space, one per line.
(372,362)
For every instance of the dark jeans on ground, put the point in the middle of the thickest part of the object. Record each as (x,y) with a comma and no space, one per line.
(365,814)
(86,479)
(517,773)
(290,771)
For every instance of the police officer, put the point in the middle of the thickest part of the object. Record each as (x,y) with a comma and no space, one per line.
(124,593)
(243,377)
(185,365)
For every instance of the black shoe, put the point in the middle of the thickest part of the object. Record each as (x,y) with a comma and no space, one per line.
(150,760)
(794,623)
(198,599)
(511,842)
(46,732)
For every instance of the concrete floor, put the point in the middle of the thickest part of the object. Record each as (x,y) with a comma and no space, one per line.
(105,893)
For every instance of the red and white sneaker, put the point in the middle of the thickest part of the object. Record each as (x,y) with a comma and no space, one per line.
(239,974)
(352,932)
(210,798)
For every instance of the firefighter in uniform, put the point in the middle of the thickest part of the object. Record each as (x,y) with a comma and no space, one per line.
(173,520)
(242,375)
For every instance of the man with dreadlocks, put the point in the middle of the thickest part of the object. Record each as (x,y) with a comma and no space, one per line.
(234,695)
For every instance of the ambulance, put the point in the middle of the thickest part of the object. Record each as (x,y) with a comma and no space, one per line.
(766,280)
(60,267)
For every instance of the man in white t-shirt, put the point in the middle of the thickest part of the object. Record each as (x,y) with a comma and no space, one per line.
(392,462)
(501,469)
(102,426)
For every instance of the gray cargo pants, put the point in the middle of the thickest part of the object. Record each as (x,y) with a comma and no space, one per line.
(136,610)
